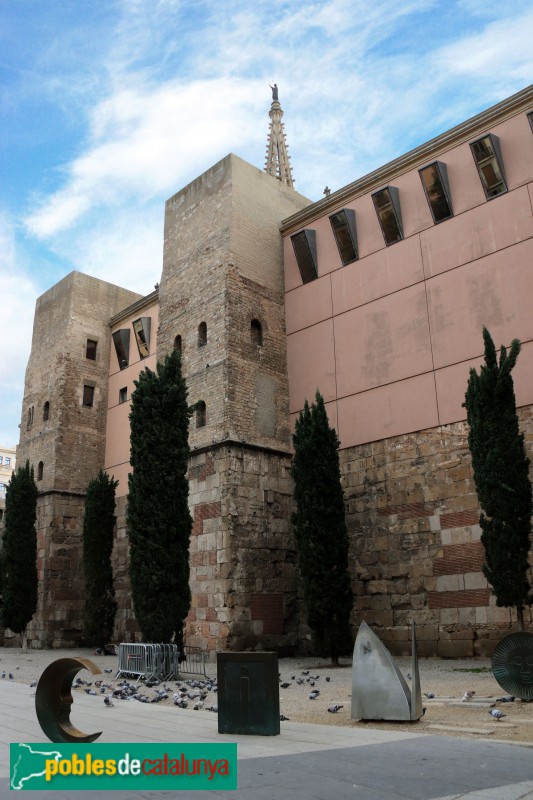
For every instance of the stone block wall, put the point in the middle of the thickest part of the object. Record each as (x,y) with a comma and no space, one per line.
(412,514)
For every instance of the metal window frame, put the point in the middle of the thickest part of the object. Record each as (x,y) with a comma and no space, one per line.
(142,325)
(349,221)
(394,196)
(306,256)
(443,176)
(92,342)
(496,149)
(121,340)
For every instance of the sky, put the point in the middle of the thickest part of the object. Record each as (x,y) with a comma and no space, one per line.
(109,107)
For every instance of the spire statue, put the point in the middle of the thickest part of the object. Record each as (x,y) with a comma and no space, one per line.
(277,157)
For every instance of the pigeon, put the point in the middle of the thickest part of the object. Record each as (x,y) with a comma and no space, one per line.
(409,676)
(107,701)
(497,714)
(468,696)
(505,699)
(108,669)
(333,709)
(314,694)
(285,685)
(90,691)
(429,695)
(11,676)
(32,684)
(283,718)
(299,681)
(4,674)
(305,673)
(328,678)
(213,708)
(197,706)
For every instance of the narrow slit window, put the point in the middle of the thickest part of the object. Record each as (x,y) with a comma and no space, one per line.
(46,411)
(256,333)
(141,329)
(178,344)
(434,179)
(121,340)
(29,421)
(387,205)
(88,395)
(40,470)
(343,225)
(90,349)
(200,414)
(488,158)
(123,394)
(202,334)
(304,244)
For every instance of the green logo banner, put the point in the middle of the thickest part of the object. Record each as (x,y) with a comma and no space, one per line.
(122,766)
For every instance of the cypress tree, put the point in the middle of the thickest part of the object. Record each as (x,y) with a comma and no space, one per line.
(501,475)
(159,521)
(321,533)
(19,552)
(98,531)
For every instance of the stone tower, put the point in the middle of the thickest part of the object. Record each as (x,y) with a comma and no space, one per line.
(221,302)
(277,157)
(62,434)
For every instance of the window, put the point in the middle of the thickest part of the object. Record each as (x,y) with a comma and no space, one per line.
(488,158)
(123,394)
(530,118)
(46,411)
(29,421)
(256,332)
(7,461)
(2,488)
(202,334)
(177,344)
(434,179)
(90,349)
(141,329)
(40,469)
(1,459)
(121,340)
(200,414)
(88,395)
(387,205)
(304,244)
(343,224)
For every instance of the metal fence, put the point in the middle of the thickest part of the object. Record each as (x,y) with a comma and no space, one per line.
(160,661)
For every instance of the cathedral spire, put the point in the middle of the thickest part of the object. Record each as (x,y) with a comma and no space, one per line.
(277,158)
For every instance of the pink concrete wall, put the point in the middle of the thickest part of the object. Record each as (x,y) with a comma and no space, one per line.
(117,455)
(389,339)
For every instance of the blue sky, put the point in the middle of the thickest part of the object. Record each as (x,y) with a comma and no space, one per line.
(108,107)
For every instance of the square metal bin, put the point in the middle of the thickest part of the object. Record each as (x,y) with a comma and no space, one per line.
(248,693)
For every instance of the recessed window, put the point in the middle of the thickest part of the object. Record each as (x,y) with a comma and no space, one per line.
(488,158)
(304,244)
(90,349)
(343,224)
(387,205)
(123,394)
(88,395)
(202,334)
(121,340)
(178,344)
(7,461)
(200,414)
(46,411)
(256,333)
(434,179)
(40,470)
(530,118)
(29,420)
(141,329)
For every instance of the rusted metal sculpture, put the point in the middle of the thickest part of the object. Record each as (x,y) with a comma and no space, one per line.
(379,690)
(512,664)
(53,700)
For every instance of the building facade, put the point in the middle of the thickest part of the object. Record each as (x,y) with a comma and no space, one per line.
(376,295)
(7,468)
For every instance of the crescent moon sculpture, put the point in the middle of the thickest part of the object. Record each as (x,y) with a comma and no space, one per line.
(53,699)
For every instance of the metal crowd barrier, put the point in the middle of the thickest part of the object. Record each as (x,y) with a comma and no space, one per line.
(193,661)
(148,660)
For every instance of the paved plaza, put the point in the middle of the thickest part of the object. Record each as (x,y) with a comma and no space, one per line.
(315,762)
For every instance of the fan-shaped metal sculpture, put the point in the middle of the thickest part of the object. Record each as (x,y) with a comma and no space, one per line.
(379,690)
(512,664)
(53,700)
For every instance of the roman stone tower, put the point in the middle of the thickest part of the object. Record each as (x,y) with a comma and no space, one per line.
(221,303)
(62,434)
(277,157)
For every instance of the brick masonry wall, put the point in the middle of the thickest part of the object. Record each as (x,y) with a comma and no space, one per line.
(412,514)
